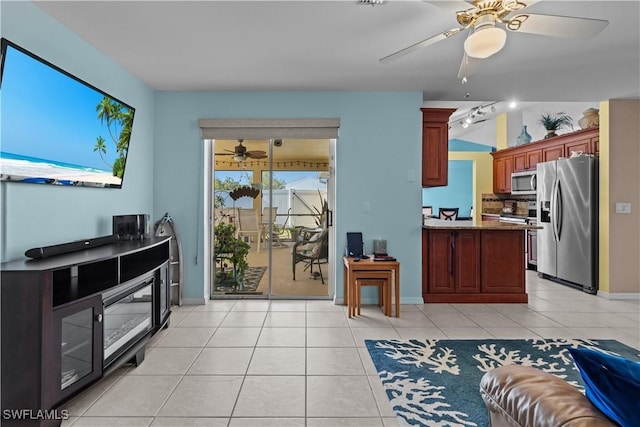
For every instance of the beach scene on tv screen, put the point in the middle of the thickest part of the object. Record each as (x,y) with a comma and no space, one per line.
(57,130)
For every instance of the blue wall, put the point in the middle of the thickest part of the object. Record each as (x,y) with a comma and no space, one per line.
(459,191)
(37,215)
(457,194)
(462,145)
(379,140)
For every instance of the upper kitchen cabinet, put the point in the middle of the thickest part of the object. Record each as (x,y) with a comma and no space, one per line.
(526,160)
(502,169)
(526,157)
(435,146)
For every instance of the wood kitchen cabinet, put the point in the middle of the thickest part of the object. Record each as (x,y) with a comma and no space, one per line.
(526,157)
(583,145)
(453,261)
(435,146)
(502,273)
(473,264)
(502,169)
(526,160)
(553,152)
(595,145)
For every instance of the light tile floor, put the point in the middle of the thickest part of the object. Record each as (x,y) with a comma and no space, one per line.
(304,363)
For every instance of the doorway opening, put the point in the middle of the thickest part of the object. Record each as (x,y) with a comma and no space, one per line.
(270,229)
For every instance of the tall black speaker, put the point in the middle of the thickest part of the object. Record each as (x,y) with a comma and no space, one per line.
(355,246)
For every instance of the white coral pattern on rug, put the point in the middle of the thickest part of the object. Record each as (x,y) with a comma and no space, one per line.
(421,353)
(418,400)
(408,395)
(492,356)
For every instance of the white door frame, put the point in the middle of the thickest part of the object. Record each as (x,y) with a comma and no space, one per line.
(308,128)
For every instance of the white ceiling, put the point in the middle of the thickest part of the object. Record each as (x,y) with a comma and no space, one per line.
(291,149)
(335,45)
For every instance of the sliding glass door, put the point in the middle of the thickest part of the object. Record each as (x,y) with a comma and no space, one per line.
(271,217)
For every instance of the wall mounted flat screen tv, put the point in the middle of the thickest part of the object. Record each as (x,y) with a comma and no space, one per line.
(56,128)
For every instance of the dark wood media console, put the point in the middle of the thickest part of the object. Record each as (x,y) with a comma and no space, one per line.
(70,319)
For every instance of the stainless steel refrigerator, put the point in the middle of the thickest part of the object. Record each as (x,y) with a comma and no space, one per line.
(567,210)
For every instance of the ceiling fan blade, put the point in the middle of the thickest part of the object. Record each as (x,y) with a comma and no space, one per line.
(423,43)
(554,25)
(468,66)
(256,154)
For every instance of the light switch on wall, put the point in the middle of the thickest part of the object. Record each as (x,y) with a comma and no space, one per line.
(411,175)
(366,207)
(623,207)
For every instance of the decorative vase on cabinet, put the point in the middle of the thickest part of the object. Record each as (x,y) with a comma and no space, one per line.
(590,119)
(524,137)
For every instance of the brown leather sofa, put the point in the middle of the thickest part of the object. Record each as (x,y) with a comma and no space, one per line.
(523,396)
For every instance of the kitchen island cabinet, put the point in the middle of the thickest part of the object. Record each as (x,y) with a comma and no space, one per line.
(473,262)
(455,260)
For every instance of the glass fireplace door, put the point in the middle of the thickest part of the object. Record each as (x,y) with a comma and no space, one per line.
(78,333)
(127,317)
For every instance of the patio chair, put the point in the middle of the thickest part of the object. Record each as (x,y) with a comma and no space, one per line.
(270,229)
(248,225)
(313,250)
(227,215)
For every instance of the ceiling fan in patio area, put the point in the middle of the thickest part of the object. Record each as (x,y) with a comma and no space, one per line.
(487,20)
(241,154)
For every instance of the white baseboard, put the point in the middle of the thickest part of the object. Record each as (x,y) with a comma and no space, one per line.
(629,296)
(374,300)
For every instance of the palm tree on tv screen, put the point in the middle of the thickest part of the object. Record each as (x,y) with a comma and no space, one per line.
(119,120)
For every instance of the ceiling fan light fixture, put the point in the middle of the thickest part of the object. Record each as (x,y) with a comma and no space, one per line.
(239,158)
(485,41)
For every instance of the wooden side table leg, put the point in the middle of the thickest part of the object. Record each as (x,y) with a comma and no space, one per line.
(357,298)
(397,291)
(351,298)
(388,286)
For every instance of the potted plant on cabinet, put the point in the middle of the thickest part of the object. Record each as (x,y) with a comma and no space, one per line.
(555,122)
(230,256)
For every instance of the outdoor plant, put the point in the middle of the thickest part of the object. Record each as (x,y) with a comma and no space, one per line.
(554,122)
(321,214)
(293,233)
(231,253)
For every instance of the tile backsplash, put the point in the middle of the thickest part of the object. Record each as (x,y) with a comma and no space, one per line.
(493,203)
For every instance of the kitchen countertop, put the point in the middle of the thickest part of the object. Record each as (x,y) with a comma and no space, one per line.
(434,224)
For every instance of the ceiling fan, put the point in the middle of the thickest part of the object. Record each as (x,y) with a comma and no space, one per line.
(485,21)
(241,154)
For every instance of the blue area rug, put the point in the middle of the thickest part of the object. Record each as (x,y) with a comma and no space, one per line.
(436,382)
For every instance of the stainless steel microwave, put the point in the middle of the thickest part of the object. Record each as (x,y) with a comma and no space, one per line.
(523,182)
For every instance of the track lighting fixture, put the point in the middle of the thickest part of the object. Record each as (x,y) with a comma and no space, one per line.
(475,114)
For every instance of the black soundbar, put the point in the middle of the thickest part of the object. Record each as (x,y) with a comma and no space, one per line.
(64,248)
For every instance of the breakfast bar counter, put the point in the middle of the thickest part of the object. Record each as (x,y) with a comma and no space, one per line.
(473,262)
(439,224)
